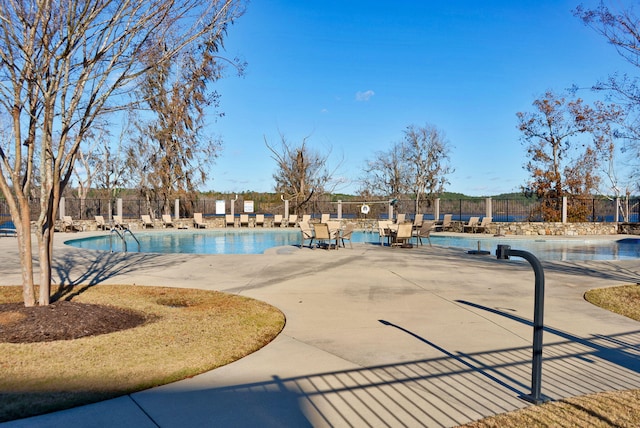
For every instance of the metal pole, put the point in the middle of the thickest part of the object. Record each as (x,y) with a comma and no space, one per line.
(503,252)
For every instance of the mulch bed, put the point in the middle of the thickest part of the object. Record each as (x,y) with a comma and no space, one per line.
(62,320)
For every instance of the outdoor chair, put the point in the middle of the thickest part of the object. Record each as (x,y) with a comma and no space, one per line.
(259,220)
(100,223)
(244,220)
(307,233)
(229,219)
(146,221)
(347,233)
(325,218)
(383,231)
(167,221)
(402,236)
(417,221)
(323,235)
(119,223)
(424,232)
(484,224)
(445,224)
(471,224)
(198,223)
(400,218)
(293,219)
(277,220)
(70,225)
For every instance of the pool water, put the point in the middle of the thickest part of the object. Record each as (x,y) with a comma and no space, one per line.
(257,241)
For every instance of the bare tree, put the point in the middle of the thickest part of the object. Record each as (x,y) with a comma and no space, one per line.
(427,151)
(63,66)
(418,165)
(302,173)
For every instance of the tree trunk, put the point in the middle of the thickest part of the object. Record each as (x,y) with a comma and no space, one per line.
(23,229)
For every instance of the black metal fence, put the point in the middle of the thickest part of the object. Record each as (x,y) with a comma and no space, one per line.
(502,210)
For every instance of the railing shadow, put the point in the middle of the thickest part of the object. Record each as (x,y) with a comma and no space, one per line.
(445,391)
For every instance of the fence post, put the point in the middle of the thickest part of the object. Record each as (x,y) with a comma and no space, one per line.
(119,207)
(339,209)
(436,209)
(488,206)
(176,209)
(390,211)
(61,208)
(564,209)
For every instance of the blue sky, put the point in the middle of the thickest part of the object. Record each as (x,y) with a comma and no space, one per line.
(353,74)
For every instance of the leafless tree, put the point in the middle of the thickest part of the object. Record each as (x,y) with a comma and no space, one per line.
(63,65)
(302,173)
(418,165)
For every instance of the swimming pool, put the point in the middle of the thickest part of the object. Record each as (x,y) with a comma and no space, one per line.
(257,241)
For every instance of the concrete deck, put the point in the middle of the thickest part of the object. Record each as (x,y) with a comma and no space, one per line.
(375,336)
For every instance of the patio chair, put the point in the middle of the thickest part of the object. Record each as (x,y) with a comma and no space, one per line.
(198,223)
(260,220)
(277,220)
(402,237)
(417,221)
(146,221)
(347,233)
(383,231)
(244,220)
(70,225)
(100,223)
(293,219)
(482,227)
(306,218)
(471,224)
(400,218)
(307,233)
(229,219)
(325,218)
(167,221)
(119,223)
(324,236)
(424,232)
(445,224)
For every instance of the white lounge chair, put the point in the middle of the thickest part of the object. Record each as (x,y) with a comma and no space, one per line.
(146,221)
(167,221)
(198,223)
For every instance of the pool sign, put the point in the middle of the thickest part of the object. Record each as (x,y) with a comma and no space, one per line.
(221,207)
(248,206)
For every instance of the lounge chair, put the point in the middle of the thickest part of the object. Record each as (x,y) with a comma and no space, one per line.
(402,237)
(293,219)
(400,218)
(259,220)
(471,224)
(445,224)
(324,236)
(198,223)
(482,227)
(100,223)
(229,219)
(117,221)
(307,233)
(70,225)
(244,220)
(277,220)
(325,218)
(346,234)
(146,221)
(167,221)
(306,218)
(424,232)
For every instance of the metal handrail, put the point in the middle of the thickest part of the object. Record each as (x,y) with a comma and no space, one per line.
(122,238)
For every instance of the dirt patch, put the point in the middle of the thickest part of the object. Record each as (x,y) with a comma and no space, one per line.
(62,320)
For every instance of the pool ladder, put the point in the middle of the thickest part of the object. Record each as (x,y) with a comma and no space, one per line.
(122,237)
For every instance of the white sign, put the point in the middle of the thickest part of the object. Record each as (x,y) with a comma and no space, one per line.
(221,207)
(248,206)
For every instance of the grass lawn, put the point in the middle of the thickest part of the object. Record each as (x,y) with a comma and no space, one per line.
(187,332)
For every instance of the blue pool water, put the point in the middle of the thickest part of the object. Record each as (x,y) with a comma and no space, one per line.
(257,241)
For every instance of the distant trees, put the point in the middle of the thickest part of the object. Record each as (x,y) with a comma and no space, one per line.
(418,165)
(566,141)
(65,65)
(302,173)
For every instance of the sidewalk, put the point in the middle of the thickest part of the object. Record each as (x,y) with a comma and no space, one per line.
(375,336)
